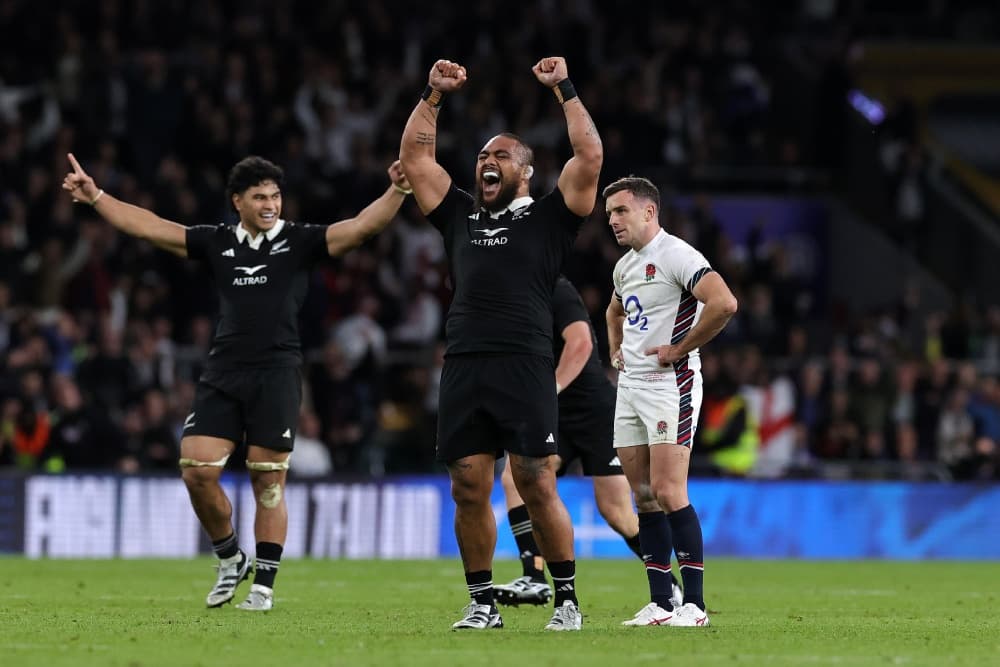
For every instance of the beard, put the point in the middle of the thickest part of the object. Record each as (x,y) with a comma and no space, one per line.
(507,194)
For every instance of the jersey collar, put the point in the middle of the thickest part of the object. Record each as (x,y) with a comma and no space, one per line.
(653,242)
(242,234)
(518,203)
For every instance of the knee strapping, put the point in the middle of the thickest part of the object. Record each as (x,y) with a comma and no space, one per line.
(270,497)
(195,463)
(269,466)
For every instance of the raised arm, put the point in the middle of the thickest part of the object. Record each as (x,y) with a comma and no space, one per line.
(615,316)
(720,306)
(132,220)
(578,180)
(577,345)
(416,151)
(349,234)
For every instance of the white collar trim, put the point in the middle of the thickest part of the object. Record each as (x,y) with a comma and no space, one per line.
(242,234)
(520,202)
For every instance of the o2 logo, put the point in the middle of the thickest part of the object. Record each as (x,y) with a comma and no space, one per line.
(636,318)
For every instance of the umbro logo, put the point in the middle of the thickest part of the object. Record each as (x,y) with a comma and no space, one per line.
(492,232)
(551,438)
(229,253)
(250,270)
(280,247)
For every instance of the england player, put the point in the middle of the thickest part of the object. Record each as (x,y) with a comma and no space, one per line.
(251,388)
(586,429)
(498,385)
(668,301)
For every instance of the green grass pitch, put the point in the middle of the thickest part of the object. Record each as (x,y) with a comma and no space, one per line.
(774,613)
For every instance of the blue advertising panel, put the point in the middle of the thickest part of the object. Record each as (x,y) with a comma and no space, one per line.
(106,516)
(797,519)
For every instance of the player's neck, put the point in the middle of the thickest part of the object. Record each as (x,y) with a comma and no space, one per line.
(251,231)
(649,233)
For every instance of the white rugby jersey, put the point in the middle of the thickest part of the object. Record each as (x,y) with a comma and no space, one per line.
(654,285)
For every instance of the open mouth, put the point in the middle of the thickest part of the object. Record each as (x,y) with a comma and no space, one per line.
(491,182)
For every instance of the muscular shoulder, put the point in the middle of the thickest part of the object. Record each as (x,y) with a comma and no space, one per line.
(552,202)
(202,237)
(456,202)
(567,305)
(565,294)
(674,249)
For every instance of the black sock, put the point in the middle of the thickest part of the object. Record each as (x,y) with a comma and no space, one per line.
(564,581)
(690,553)
(635,545)
(268,559)
(227,547)
(480,585)
(520,525)
(654,532)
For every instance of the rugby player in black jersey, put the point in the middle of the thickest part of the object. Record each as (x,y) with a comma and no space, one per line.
(498,385)
(586,432)
(251,388)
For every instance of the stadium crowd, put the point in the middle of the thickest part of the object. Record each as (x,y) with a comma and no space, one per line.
(103,336)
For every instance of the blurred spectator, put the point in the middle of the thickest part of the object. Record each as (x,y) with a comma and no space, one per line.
(108,378)
(312,458)
(346,409)
(728,432)
(967,456)
(83,438)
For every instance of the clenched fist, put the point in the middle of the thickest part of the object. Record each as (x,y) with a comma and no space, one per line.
(551,71)
(397,176)
(446,76)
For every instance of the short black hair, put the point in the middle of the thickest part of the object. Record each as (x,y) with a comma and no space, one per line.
(638,186)
(525,154)
(251,171)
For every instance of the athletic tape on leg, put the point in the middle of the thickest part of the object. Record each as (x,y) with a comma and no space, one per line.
(270,497)
(269,466)
(194,463)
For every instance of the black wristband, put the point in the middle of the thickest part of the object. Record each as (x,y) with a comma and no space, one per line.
(433,97)
(564,91)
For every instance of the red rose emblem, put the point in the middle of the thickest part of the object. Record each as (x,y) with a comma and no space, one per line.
(650,272)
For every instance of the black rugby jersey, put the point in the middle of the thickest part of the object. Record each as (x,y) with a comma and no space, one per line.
(567,308)
(260,291)
(503,272)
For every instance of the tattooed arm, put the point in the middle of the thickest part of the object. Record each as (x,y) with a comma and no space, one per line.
(578,180)
(429,180)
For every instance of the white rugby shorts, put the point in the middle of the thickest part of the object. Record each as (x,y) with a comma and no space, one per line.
(661,413)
